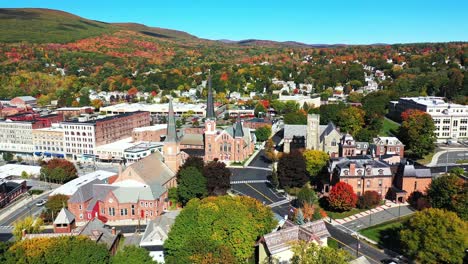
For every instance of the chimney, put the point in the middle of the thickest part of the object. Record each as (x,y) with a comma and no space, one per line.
(352,168)
(114,232)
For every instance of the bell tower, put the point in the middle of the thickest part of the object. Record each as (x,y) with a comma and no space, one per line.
(171,149)
(210,125)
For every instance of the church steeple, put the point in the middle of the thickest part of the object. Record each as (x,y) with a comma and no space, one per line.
(210,113)
(171,134)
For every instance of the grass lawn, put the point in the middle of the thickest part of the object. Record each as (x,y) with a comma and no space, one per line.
(389,128)
(386,234)
(341,215)
(426,159)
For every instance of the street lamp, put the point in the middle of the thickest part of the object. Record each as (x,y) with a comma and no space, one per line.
(357,244)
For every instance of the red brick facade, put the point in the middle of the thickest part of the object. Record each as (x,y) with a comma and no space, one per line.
(111,129)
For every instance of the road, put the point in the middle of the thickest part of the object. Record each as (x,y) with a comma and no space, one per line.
(379,217)
(452,157)
(253,181)
(28,209)
(350,243)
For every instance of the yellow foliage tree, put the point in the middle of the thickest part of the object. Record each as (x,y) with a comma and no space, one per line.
(29,224)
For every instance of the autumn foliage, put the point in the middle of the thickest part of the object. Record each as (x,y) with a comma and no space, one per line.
(342,197)
(58,171)
(369,199)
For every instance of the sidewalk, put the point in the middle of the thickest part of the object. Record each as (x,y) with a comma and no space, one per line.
(5,212)
(387,205)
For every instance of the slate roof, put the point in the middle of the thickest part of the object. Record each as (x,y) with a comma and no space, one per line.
(96,231)
(291,131)
(84,192)
(326,130)
(158,229)
(192,139)
(411,171)
(64,217)
(281,240)
(26,98)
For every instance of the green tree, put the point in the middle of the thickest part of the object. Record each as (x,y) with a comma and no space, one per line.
(29,224)
(295,118)
(316,161)
(306,195)
(417,132)
(274,178)
(435,236)
(351,120)
(132,255)
(195,162)
(259,110)
(84,97)
(310,253)
(53,206)
(449,192)
(7,156)
(233,223)
(263,133)
(330,113)
(190,184)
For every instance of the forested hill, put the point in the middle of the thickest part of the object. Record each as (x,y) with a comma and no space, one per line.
(52,54)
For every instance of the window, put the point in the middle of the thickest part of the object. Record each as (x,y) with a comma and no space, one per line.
(103,211)
(123,211)
(150,204)
(380,183)
(359,183)
(111,211)
(359,172)
(81,208)
(368,184)
(146,204)
(133,209)
(455,122)
(81,216)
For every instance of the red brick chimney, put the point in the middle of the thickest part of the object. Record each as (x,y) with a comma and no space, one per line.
(352,168)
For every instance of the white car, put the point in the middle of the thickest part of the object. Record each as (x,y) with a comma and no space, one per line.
(41,202)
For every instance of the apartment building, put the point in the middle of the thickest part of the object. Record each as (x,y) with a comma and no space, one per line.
(49,142)
(81,138)
(16,136)
(451,120)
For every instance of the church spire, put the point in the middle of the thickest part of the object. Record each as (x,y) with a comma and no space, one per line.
(210,113)
(171,134)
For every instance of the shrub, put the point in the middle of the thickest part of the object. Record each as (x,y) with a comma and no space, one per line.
(369,199)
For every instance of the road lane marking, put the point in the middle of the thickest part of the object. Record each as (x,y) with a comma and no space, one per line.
(266,197)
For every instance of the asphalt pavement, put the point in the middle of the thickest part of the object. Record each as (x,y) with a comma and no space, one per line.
(29,209)
(452,157)
(350,243)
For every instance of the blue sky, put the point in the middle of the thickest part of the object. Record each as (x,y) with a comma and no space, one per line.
(312,21)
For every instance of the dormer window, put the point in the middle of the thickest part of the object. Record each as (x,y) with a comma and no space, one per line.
(359,172)
(346,172)
(380,172)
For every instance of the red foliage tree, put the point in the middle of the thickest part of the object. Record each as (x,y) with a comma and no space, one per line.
(342,197)
(58,171)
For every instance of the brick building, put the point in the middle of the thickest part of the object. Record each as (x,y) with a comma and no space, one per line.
(49,142)
(10,190)
(350,147)
(154,133)
(255,123)
(362,173)
(233,144)
(23,101)
(69,112)
(81,138)
(409,179)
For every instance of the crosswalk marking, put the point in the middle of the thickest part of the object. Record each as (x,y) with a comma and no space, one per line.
(248,181)
(278,203)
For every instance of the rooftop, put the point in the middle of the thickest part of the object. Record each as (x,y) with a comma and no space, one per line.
(106,118)
(178,107)
(16,170)
(72,186)
(150,128)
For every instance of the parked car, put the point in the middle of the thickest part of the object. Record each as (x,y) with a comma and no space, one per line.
(41,202)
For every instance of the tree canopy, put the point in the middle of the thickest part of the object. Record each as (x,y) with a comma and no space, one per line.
(132,255)
(435,236)
(310,253)
(190,184)
(228,224)
(292,170)
(316,161)
(449,192)
(417,132)
(263,133)
(342,197)
(218,177)
(58,171)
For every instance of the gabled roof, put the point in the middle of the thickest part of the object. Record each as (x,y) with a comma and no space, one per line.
(279,241)
(158,229)
(327,130)
(64,217)
(411,171)
(96,231)
(84,192)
